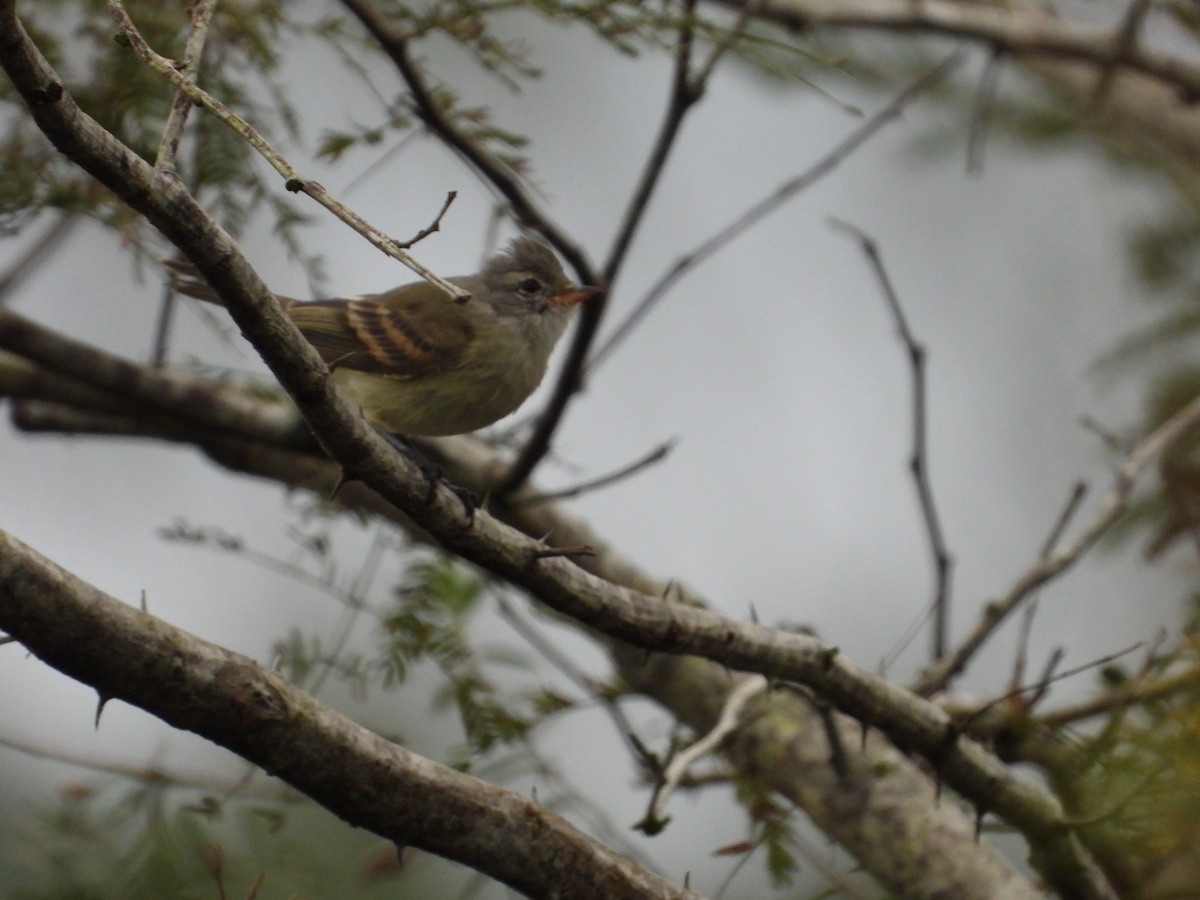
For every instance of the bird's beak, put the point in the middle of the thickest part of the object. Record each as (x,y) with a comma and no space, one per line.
(574,296)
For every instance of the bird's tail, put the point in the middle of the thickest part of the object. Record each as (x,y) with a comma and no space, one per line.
(184,279)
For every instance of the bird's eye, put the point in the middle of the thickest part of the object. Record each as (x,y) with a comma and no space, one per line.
(530,286)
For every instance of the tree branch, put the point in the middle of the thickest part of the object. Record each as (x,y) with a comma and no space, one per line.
(694,691)
(1020,30)
(918,463)
(777,198)
(294,181)
(360,776)
(200,14)
(1055,560)
(37,253)
(632,618)
(495,173)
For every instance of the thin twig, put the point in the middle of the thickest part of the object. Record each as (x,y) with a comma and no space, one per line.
(1021,658)
(1052,563)
(658,453)
(686,91)
(731,714)
(550,652)
(1132,694)
(162,327)
(153,775)
(981,117)
(436,224)
(36,253)
(918,463)
(506,182)
(728,41)
(293,180)
(1113,441)
(1123,46)
(777,198)
(1048,678)
(1078,491)
(493,171)
(200,13)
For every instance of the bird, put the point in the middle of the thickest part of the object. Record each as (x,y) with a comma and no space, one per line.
(421,363)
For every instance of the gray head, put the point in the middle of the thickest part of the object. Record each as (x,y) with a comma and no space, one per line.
(527,278)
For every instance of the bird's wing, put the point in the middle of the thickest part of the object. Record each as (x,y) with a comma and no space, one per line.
(369,335)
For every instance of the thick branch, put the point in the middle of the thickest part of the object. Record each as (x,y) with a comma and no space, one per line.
(362,777)
(903,803)
(164,391)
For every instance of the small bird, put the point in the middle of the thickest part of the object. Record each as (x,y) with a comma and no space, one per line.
(419,363)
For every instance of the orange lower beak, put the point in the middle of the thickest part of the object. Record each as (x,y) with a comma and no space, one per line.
(578,295)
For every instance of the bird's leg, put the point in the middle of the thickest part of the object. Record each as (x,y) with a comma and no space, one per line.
(433,474)
(431,470)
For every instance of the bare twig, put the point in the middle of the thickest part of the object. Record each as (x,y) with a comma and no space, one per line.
(781,195)
(1049,677)
(1078,491)
(503,179)
(657,454)
(550,652)
(1052,563)
(918,463)
(275,791)
(1021,659)
(1134,693)
(201,13)
(294,181)
(686,91)
(731,714)
(1113,441)
(436,224)
(1123,46)
(36,253)
(493,171)
(162,328)
(985,98)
